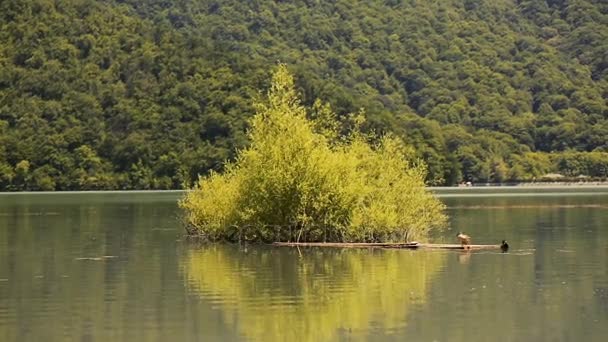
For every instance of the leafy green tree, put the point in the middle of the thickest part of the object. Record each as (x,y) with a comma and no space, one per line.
(296,183)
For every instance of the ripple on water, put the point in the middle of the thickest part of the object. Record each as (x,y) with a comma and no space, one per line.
(556,265)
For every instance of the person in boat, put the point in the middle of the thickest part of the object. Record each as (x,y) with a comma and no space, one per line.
(464,239)
(504,246)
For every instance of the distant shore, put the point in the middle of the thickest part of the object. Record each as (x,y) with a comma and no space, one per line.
(524,185)
(478,186)
(92,192)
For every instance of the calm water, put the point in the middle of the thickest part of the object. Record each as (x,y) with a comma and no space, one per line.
(116,267)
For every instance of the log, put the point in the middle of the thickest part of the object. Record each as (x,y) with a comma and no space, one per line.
(348,244)
(454,246)
(406,245)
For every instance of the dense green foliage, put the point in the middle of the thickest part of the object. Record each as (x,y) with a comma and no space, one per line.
(300,180)
(123,94)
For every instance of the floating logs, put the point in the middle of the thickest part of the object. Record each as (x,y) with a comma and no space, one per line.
(405,245)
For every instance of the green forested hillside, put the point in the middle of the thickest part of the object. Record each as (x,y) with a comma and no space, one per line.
(140,94)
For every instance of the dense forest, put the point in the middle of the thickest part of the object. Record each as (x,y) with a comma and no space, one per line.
(148,94)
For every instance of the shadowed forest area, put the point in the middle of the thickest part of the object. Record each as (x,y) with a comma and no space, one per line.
(148,94)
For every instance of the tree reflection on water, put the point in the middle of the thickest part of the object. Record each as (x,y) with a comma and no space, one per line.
(274,294)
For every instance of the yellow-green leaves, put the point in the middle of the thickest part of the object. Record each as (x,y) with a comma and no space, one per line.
(297,181)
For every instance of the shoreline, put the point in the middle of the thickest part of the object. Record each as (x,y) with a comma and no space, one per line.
(89,192)
(475,187)
(538,185)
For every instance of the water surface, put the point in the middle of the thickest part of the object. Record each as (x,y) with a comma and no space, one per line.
(116,267)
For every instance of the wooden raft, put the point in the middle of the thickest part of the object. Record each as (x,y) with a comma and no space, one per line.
(407,245)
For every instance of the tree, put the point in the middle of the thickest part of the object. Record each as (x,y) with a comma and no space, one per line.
(296,183)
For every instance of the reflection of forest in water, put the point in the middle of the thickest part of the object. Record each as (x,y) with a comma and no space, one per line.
(89,267)
(551,286)
(283,294)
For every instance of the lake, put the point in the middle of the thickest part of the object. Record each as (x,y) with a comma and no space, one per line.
(117,267)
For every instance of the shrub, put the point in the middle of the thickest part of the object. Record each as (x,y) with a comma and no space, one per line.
(301,180)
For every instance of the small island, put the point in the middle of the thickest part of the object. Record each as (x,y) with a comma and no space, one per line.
(309,176)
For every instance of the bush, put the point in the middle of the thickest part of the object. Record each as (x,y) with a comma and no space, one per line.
(301,180)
